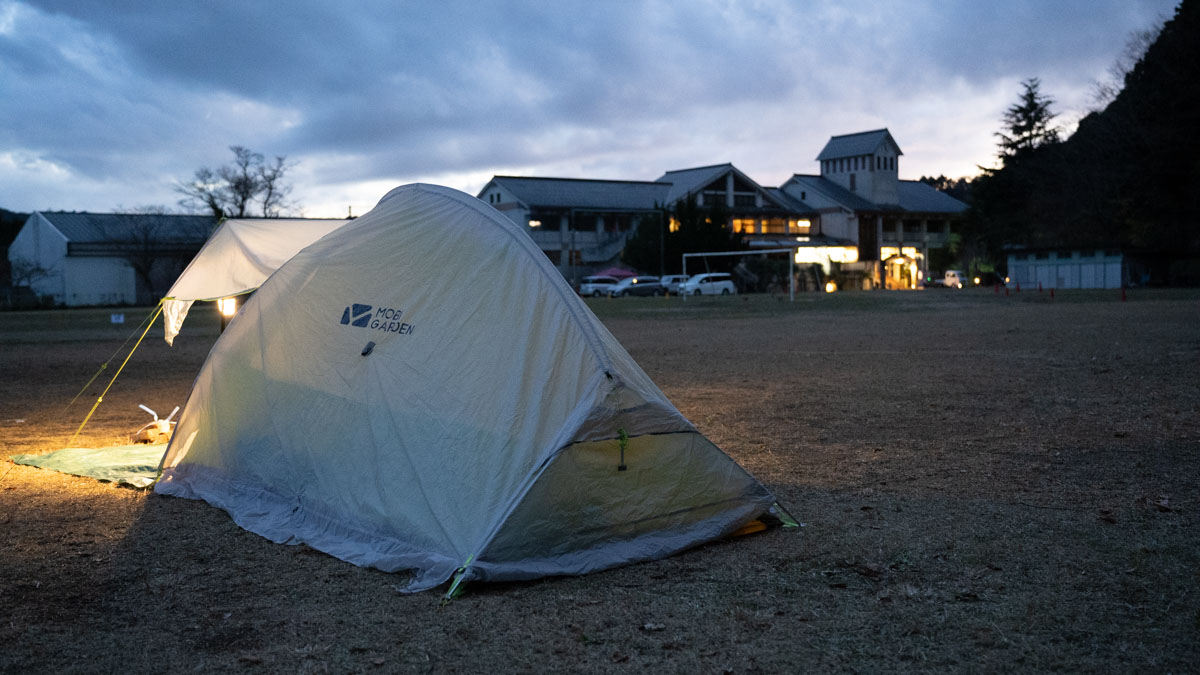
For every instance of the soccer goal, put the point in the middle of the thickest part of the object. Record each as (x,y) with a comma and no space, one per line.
(791,263)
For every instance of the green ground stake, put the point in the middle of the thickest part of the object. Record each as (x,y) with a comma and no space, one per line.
(457,587)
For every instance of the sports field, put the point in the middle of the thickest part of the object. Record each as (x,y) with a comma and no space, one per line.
(985,483)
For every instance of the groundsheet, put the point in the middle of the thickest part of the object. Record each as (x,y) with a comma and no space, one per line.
(135,465)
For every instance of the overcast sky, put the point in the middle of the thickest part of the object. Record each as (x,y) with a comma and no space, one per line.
(106,103)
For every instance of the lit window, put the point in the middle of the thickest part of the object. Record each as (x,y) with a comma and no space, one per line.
(535,223)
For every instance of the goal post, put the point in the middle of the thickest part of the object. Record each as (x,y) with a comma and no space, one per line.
(791,264)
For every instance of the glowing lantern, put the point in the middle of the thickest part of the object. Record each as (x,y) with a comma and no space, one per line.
(227,307)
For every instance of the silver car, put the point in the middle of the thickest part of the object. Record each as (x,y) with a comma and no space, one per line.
(671,282)
(712,283)
(597,286)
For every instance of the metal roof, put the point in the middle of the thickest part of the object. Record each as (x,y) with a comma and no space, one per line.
(914,196)
(684,181)
(835,192)
(861,143)
(585,193)
(100,228)
(789,201)
(919,197)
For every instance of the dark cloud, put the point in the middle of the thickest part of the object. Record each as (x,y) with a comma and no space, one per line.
(122,94)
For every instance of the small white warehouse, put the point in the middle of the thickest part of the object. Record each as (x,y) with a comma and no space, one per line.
(105,258)
(1080,268)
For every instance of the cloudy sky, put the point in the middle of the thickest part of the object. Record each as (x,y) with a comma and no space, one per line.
(106,104)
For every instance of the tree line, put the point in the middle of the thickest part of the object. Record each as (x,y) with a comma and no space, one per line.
(1126,178)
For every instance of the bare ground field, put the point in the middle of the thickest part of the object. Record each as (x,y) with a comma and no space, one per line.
(985,483)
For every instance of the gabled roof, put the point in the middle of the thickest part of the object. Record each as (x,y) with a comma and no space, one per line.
(914,196)
(684,181)
(861,143)
(583,193)
(693,181)
(99,228)
(789,201)
(834,191)
(917,196)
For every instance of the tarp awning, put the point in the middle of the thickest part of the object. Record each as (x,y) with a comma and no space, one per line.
(237,258)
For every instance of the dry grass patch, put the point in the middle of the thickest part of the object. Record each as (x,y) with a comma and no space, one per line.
(986,483)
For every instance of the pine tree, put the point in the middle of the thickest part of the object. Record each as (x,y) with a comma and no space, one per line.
(1028,123)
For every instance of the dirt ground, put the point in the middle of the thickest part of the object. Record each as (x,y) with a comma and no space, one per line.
(985,483)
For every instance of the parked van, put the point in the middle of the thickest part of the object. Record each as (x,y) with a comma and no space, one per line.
(597,286)
(715,283)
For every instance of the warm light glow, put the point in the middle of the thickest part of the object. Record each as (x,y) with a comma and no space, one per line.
(535,223)
(227,306)
(907,252)
(977,281)
(1006,280)
(830,287)
(745,225)
(674,225)
(823,255)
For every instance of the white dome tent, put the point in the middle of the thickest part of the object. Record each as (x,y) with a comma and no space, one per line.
(421,390)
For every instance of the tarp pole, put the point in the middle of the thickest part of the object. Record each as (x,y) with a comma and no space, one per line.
(117,374)
(791,277)
(685,276)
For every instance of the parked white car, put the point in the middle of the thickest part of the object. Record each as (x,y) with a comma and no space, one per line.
(712,283)
(671,282)
(597,286)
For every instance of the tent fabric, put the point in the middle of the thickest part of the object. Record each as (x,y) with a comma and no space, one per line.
(422,390)
(135,465)
(237,258)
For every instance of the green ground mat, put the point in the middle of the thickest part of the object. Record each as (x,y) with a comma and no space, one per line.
(135,465)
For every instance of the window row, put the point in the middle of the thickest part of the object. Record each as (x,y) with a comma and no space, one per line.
(858,163)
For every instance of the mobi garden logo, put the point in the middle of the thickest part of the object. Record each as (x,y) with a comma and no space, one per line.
(385,319)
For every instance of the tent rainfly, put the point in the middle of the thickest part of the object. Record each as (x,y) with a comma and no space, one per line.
(236,259)
(421,390)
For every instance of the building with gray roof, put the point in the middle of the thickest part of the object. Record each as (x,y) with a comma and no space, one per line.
(856,211)
(105,258)
(894,224)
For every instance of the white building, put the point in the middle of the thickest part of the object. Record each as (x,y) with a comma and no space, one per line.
(893,223)
(104,258)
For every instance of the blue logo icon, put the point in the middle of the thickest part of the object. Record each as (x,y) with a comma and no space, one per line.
(357,315)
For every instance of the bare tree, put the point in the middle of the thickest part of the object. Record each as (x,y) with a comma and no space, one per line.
(25,272)
(139,242)
(241,179)
(273,192)
(230,191)
(1105,91)
(204,190)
